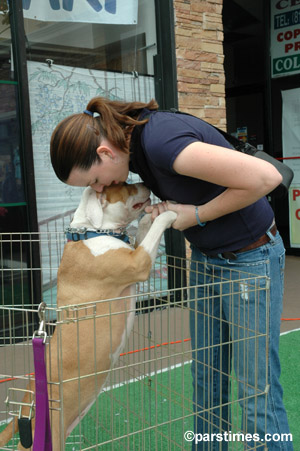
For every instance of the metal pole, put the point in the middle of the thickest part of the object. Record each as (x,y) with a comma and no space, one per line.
(23,107)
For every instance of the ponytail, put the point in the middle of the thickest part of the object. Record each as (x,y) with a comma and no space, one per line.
(76,138)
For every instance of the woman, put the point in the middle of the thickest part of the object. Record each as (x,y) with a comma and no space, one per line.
(222,209)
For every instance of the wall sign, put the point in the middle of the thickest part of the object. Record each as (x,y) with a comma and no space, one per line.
(294,202)
(291,151)
(86,11)
(285,37)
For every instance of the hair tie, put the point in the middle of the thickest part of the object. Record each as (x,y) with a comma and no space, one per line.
(90,113)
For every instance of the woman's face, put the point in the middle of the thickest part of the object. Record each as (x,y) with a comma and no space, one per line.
(112,168)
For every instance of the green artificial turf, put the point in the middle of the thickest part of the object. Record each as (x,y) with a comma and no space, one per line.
(152,413)
(289,352)
(134,410)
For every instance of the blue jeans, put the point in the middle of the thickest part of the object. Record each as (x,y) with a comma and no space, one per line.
(232,330)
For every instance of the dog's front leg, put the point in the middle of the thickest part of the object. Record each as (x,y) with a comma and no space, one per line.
(143,228)
(152,239)
(120,268)
(134,266)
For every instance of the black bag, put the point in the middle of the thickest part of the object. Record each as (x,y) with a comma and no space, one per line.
(138,161)
(286,172)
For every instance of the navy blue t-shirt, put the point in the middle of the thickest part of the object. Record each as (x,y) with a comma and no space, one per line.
(163,138)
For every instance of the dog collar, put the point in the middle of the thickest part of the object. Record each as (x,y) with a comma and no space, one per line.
(74,234)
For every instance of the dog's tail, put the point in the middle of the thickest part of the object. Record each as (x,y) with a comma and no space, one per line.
(7,433)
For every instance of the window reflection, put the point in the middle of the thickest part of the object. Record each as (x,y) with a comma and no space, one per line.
(110,47)
(5,43)
(11,184)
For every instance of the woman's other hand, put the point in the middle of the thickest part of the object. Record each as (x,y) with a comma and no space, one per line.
(185,214)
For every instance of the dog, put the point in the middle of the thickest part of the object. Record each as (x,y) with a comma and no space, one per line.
(103,267)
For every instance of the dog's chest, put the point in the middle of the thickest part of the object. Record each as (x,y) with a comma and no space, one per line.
(100,245)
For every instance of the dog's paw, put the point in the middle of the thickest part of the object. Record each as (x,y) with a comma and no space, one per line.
(166,218)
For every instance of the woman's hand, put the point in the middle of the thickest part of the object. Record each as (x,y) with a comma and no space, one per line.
(185,214)
(156,209)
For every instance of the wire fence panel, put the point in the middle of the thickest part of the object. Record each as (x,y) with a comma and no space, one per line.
(139,396)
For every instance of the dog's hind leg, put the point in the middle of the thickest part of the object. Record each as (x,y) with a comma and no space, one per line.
(7,433)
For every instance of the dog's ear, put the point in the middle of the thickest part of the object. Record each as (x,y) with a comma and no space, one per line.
(94,212)
(88,211)
(79,218)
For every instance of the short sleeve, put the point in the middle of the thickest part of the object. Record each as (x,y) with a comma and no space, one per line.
(167,134)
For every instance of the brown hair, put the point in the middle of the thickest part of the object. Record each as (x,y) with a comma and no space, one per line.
(76,138)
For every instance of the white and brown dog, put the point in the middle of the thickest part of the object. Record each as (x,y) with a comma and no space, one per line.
(103,268)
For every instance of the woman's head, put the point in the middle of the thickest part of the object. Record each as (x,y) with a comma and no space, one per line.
(111,167)
(74,143)
(76,140)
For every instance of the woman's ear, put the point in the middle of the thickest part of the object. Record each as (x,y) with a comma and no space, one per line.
(105,152)
(79,218)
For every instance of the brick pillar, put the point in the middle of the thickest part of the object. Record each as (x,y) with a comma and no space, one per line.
(199,53)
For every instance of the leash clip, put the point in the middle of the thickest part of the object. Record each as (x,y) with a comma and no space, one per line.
(41,332)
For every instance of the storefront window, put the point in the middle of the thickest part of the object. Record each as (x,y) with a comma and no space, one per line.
(12,198)
(105,48)
(71,60)
(119,40)
(5,43)
(11,184)
(14,255)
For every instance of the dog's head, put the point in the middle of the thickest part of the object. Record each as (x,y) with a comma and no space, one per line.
(116,207)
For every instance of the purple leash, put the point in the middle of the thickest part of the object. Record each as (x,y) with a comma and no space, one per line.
(42,435)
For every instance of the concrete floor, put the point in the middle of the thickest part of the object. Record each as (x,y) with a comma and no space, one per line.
(291,304)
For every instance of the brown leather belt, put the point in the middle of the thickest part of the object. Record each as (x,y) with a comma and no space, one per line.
(231,255)
(262,240)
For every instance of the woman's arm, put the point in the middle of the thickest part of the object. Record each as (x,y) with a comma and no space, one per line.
(247,179)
